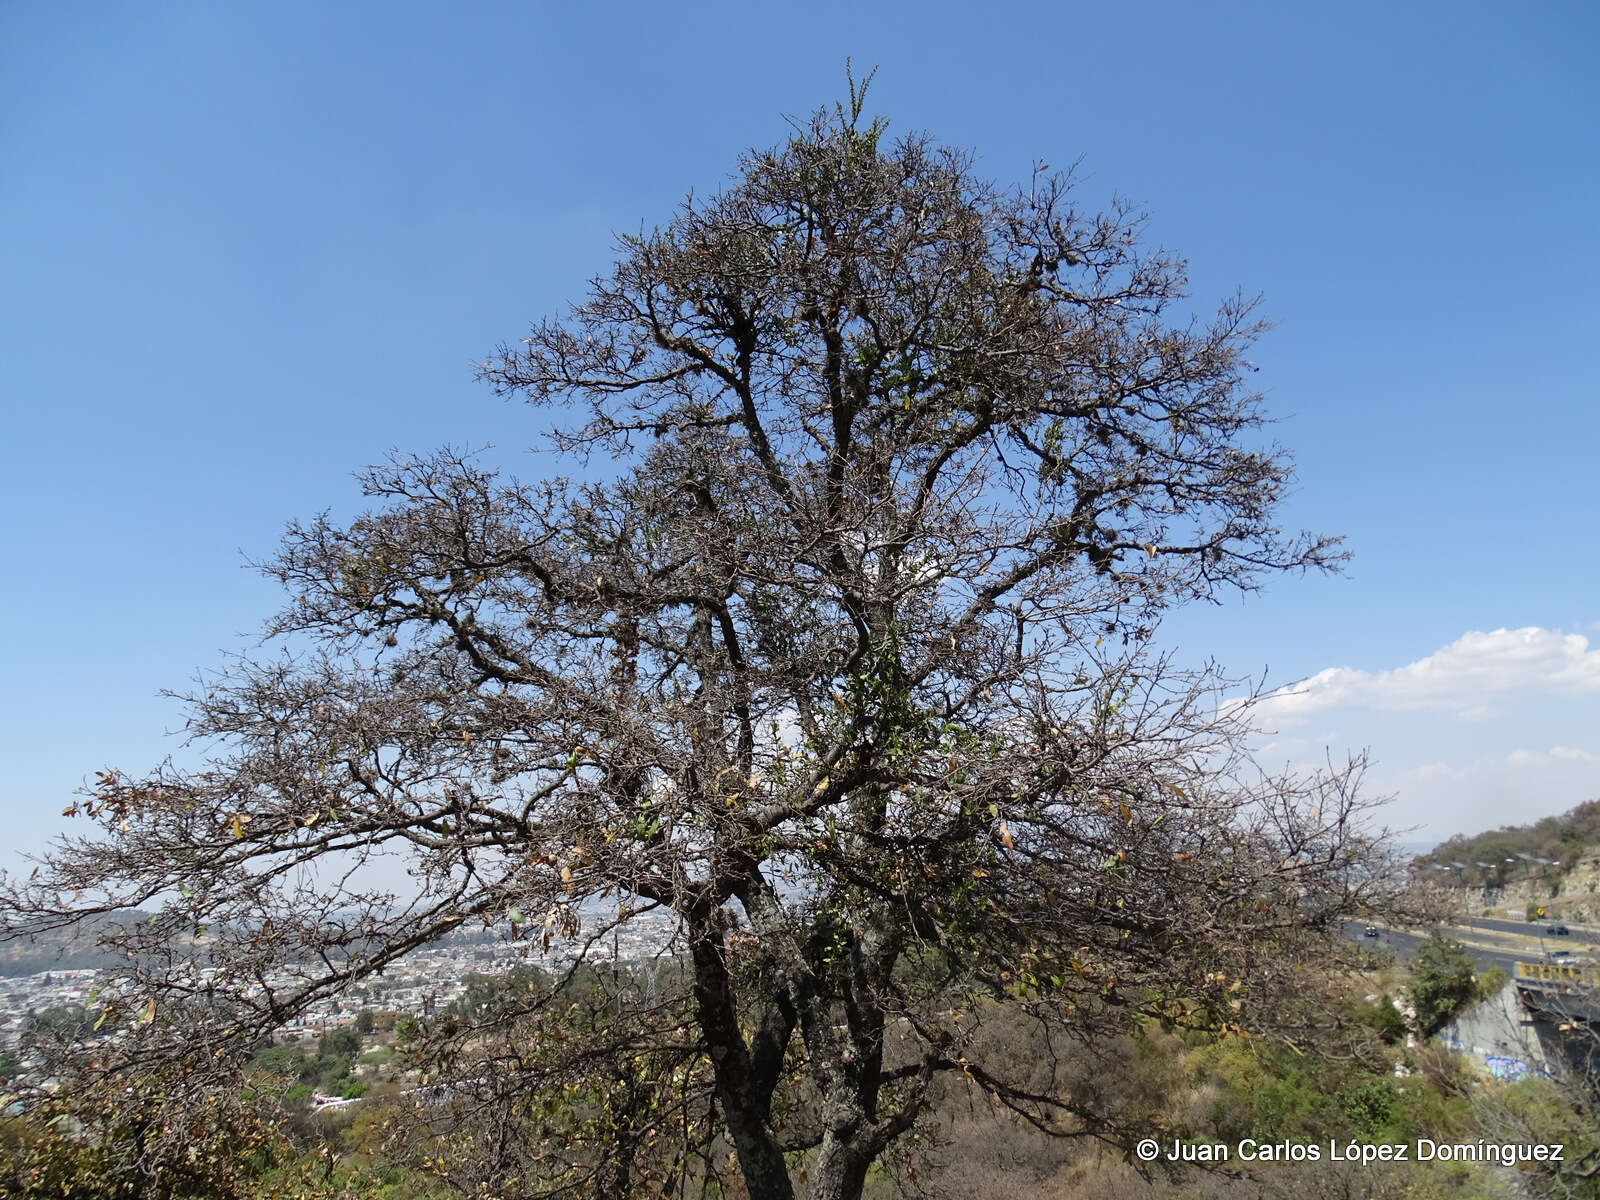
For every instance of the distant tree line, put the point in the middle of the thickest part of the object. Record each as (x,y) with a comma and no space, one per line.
(1513,851)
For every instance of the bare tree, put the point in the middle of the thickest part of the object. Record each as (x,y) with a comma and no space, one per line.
(845,665)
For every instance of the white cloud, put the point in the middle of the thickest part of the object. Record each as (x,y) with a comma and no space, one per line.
(1460,678)
(1488,790)
(1447,768)
(1432,772)
(1538,758)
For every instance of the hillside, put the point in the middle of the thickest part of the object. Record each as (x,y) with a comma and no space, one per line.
(62,949)
(1553,863)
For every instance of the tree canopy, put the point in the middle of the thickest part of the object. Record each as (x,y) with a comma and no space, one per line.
(1443,982)
(834,658)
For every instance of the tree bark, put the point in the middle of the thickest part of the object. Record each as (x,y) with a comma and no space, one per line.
(766,1176)
(840,1171)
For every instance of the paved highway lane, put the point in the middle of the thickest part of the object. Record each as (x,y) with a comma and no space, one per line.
(1576,934)
(1405,945)
(1581,941)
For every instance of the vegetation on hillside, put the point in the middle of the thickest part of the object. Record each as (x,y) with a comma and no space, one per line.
(1443,982)
(1513,852)
(1357,1083)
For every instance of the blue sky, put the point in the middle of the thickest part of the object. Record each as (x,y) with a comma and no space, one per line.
(250,248)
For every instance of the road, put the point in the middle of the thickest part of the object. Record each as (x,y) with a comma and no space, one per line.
(1575,933)
(1491,943)
(1405,945)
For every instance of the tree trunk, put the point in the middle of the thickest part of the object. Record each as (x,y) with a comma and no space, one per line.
(840,1171)
(766,1176)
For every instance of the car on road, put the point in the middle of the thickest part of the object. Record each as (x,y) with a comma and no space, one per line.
(1370,931)
(1562,958)
(1557,930)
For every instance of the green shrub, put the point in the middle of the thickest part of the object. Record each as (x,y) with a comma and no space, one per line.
(1442,982)
(1383,1018)
(1490,982)
(1371,1107)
